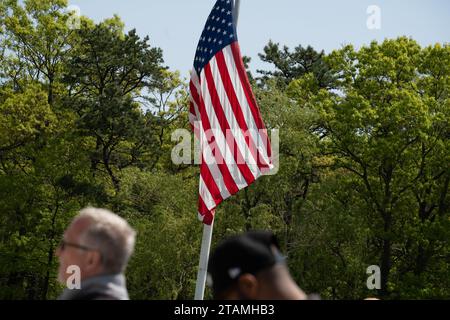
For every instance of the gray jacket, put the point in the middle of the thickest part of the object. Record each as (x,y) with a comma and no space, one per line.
(104,287)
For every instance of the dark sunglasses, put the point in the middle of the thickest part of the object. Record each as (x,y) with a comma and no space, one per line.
(63,244)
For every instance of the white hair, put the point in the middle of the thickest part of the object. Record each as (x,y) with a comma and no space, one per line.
(111,235)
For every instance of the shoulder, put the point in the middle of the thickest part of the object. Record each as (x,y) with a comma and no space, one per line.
(96,295)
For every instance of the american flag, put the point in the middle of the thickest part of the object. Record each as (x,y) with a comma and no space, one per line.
(235,149)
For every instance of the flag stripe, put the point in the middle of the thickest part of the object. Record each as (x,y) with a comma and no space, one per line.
(210,183)
(259,133)
(194,87)
(206,194)
(205,214)
(209,159)
(251,135)
(249,94)
(231,184)
(232,121)
(222,122)
(224,115)
(219,137)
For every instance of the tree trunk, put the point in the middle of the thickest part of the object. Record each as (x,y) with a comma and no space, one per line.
(50,90)
(115,181)
(386,256)
(50,253)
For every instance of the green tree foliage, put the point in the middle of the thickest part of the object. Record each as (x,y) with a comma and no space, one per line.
(106,73)
(87,116)
(290,65)
(46,170)
(388,128)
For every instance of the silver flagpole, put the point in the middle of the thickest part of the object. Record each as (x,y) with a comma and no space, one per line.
(207,230)
(237,5)
(203,265)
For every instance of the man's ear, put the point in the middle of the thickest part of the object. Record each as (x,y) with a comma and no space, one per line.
(248,286)
(94,260)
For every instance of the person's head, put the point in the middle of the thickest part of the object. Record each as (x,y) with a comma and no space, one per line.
(98,242)
(251,267)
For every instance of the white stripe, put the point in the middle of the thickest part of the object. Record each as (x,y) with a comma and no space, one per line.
(236,130)
(194,80)
(195,124)
(212,166)
(224,149)
(258,139)
(192,119)
(206,148)
(206,195)
(207,151)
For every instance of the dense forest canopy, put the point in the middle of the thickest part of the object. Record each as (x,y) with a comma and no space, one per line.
(86,117)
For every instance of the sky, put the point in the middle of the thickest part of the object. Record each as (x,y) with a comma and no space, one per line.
(176,25)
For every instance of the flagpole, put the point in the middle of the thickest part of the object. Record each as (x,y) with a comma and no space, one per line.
(237,5)
(208,229)
(203,265)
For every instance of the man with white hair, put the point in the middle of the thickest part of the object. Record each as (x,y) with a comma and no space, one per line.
(96,248)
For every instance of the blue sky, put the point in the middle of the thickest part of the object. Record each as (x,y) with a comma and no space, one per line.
(176,25)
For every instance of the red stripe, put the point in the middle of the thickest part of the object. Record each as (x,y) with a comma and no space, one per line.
(202,209)
(248,175)
(237,110)
(210,183)
(194,93)
(192,111)
(249,94)
(228,179)
(208,216)
(191,108)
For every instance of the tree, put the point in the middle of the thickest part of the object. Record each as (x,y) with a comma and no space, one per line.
(389,128)
(107,73)
(86,118)
(293,65)
(38,34)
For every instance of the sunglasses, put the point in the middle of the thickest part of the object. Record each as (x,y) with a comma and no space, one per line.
(63,244)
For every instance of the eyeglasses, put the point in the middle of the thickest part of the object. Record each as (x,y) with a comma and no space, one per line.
(63,244)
